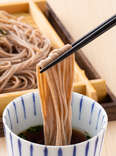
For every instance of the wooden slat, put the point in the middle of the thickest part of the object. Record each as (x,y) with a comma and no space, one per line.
(79,88)
(20,6)
(8,97)
(90,90)
(100,87)
(98,84)
(15,7)
(44,25)
(42,5)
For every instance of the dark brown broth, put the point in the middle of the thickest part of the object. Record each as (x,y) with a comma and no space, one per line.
(36,135)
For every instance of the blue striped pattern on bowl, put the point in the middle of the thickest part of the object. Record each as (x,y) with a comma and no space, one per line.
(25,111)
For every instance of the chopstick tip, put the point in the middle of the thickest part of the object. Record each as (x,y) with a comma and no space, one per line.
(41,70)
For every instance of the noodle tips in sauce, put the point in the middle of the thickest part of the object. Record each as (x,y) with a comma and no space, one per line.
(36,135)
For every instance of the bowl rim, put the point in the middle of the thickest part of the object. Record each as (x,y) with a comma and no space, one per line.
(51,146)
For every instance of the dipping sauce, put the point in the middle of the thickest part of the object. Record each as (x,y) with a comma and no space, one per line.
(36,135)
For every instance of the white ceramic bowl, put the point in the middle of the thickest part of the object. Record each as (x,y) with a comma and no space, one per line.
(24,112)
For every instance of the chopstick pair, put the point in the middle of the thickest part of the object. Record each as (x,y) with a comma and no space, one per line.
(108,24)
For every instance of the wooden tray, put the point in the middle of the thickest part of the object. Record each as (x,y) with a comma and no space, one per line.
(34,16)
(35,8)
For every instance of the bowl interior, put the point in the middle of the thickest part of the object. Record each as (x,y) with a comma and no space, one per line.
(25,111)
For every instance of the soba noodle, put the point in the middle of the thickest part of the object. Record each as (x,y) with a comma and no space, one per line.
(21,47)
(55,88)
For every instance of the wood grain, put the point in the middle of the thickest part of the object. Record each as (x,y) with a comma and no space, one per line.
(14,6)
(109,147)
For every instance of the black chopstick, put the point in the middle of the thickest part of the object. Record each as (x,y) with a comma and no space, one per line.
(84,41)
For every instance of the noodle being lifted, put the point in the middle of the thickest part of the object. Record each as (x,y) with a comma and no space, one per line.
(55,88)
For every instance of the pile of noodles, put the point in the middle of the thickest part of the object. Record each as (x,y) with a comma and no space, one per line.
(21,47)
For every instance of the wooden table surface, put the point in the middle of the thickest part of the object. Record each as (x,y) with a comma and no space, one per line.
(109,147)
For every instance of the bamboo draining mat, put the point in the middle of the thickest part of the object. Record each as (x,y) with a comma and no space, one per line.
(33,13)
